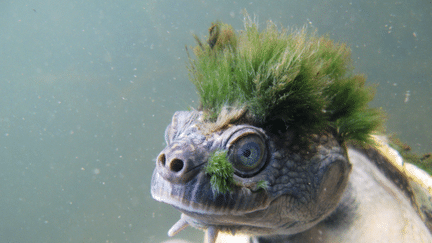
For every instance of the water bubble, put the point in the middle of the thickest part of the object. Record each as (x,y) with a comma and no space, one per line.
(96,171)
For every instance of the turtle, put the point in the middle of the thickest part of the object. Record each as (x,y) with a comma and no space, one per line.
(285,148)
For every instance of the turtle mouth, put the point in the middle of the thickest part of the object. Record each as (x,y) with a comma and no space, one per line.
(185,197)
(197,197)
(237,211)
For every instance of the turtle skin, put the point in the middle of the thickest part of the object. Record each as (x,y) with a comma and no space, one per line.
(318,189)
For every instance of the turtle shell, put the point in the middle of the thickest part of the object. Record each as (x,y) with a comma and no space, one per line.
(413,181)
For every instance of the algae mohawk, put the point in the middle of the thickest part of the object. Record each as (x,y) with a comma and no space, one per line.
(254,77)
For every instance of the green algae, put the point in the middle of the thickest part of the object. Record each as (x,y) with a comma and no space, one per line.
(221,172)
(305,80)
(262,185)
(423,161)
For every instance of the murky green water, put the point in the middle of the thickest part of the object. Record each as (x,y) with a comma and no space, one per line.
(87,88)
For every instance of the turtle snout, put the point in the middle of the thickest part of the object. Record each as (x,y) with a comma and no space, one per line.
(178,164)
(175,165)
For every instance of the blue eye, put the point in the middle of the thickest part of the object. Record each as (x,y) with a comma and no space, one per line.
(247,155)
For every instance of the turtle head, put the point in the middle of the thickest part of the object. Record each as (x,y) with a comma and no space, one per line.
(243,178)
(265,152)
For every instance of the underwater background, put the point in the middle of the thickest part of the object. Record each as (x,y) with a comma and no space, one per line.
(88,87)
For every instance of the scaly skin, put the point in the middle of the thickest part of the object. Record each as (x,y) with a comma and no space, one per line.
(311,194)
(305,182)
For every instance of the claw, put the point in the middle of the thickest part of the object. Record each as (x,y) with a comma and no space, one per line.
(211,234)
(177,227)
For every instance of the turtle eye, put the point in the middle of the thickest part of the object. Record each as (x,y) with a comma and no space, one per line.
(247,154)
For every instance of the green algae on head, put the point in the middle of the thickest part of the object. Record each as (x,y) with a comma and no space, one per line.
(304,80)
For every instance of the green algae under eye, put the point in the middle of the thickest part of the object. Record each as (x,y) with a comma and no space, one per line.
(262,185)
(221,172)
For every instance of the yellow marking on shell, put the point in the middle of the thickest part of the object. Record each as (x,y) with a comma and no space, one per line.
(411,171)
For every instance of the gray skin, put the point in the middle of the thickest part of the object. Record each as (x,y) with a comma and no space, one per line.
(318,191)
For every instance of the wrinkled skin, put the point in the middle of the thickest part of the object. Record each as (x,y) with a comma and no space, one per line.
(318,191)
(305,182)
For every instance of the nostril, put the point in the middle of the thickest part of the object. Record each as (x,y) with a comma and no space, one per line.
(162,159)
(176,165)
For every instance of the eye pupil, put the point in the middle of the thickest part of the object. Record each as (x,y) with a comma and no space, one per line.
(247,153)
